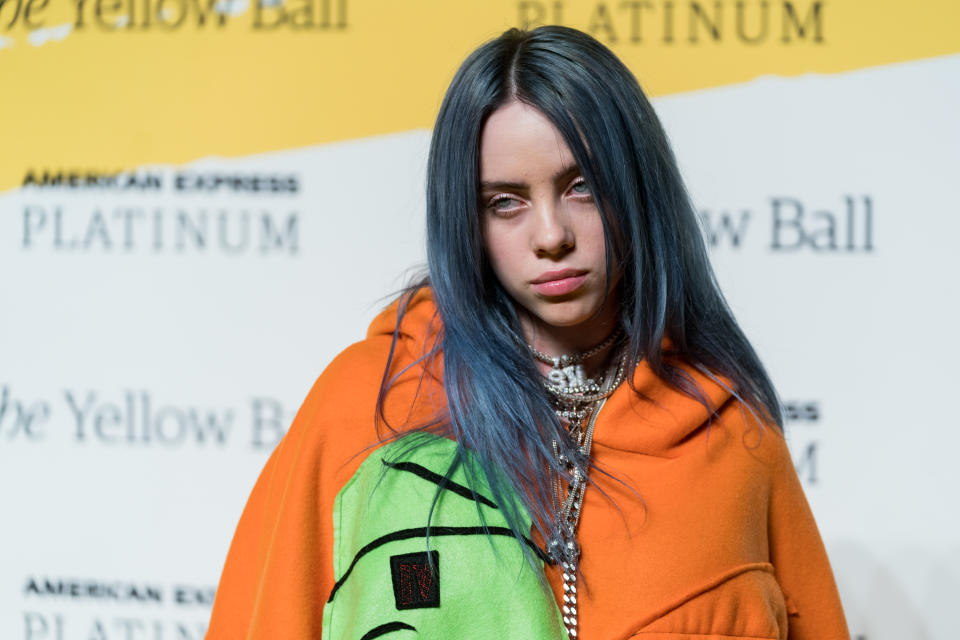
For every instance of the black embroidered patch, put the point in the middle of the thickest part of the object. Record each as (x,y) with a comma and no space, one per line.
(415,584)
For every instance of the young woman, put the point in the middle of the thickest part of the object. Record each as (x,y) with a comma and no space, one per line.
(562,430)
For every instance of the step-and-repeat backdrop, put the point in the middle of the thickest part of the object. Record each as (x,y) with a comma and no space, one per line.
(203,201)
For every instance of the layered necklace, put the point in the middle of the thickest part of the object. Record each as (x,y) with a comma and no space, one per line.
(576,400)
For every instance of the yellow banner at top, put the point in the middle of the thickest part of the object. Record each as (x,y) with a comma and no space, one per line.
(114,84)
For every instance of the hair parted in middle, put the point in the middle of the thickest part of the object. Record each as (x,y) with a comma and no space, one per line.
(496,406)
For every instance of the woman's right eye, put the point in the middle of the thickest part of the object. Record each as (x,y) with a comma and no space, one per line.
(504,204)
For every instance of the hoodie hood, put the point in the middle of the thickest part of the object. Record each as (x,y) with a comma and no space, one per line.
(657,419)
(419,328)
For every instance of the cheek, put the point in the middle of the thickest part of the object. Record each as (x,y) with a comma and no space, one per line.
(501,252)
(592,239)
(593,244)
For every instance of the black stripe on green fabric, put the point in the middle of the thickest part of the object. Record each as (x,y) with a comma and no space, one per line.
(423,532)
(384,629)
(440,481)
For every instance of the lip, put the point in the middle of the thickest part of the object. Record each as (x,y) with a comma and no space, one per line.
(558,283)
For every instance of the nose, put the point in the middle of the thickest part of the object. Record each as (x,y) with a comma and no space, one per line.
(552,235)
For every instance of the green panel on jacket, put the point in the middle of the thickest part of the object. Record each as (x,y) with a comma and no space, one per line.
(481,588)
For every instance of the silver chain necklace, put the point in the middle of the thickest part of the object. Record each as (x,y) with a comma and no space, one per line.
(578,405)
(568,373)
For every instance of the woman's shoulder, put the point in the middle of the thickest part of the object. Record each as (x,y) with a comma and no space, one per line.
(712,433)
(404,336)
(345,400)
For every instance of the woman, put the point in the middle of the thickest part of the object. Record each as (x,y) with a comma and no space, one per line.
(453,475)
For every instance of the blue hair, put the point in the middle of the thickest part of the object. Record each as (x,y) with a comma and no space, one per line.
(496,405)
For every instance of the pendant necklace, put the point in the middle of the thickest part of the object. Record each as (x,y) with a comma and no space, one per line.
(568,373)
(577,401)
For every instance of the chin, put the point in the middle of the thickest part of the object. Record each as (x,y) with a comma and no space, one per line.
(573,316)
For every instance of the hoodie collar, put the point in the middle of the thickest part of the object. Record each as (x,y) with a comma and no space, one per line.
(650,417)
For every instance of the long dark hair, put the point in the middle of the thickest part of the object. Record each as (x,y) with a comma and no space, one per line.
(496,406)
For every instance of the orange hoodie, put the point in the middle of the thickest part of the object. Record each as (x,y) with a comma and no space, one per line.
(702,533)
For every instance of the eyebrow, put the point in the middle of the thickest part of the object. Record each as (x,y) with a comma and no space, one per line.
(496,185)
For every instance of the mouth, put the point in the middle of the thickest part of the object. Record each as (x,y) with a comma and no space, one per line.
(558,283)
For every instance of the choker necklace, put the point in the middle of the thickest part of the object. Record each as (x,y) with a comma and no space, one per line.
(568,373)
(576,403)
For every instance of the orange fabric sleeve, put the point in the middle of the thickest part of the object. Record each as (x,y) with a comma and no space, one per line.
(275,578)
(279,570)
(800,559)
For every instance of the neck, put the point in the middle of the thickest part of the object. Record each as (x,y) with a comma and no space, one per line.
(556,341)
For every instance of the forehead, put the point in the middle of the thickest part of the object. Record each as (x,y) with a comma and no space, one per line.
(519,142)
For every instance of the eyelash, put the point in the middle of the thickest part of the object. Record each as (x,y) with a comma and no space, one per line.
(497,199)
(505,197)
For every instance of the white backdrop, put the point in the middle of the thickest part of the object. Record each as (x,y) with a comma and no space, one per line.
(156,341)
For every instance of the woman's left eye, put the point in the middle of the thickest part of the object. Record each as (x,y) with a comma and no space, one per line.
(580,188)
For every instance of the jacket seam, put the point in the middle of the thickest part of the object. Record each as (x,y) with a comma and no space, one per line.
(711,584)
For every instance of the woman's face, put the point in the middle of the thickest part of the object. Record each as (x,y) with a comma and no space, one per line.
(541,227)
